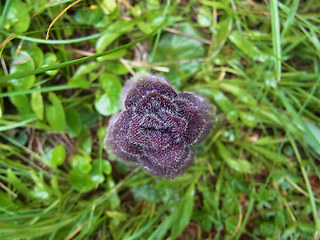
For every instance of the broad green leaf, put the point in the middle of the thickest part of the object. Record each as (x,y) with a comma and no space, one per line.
(35,52)
(84,176)
(86,68)
(101,133)
(22,63)
(22,103)
(105,40)
(105,106)
(81,163)
(50,59)
(153,18)
(116,68)
(89,116)
(19,100)
(22,137)
(92,17)
(81,182)
(97,171)
(110,84)
(79,82)
(37,104)
(18,16)
(113,56)
(107,168)
(145,27)
(114,31)
(204,16)
(80,177)
(55,113)
(103,165)
(53,116)
(73,122)
(58,156)
(108,6)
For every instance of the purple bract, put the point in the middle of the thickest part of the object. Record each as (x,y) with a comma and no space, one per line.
(159,126)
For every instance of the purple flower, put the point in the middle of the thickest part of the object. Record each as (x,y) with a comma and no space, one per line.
(158,126)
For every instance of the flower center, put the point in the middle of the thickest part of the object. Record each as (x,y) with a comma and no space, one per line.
(163,131)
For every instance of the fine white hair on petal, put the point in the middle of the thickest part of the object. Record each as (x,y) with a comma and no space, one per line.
(110,127)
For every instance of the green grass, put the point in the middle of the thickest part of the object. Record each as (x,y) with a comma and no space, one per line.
(257,176)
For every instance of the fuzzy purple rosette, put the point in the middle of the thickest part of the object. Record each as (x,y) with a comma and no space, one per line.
(159,126)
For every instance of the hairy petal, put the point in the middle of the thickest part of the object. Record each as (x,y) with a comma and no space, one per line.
(194,119)
(175,124)
(111,123)
(163,131)
(154,103)
(152,122)
(154,129)
(176,168)
(117,137)
(205,110)
(137,133)
(165,157)
(141,85)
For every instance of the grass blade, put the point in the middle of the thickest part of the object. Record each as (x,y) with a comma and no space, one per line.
(276,41)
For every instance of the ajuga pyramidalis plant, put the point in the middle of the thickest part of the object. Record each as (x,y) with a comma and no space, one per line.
(159,126)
